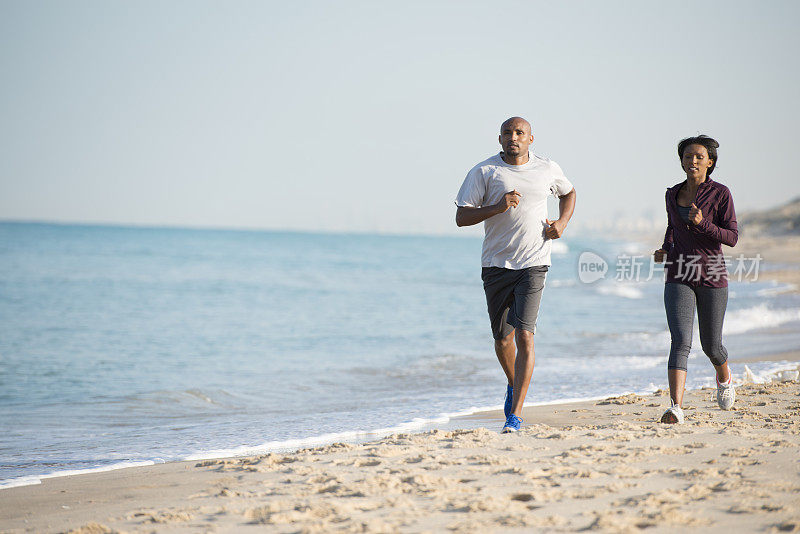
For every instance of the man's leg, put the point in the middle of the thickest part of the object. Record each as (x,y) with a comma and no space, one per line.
(523,369)
(525,310)
(498,284)
(505,350)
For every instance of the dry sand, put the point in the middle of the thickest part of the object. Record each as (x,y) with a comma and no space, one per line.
(602,466)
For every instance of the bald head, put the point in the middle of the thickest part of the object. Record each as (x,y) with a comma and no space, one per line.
(515,122)
(515,138)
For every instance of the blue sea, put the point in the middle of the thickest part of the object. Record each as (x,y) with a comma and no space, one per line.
(125,346)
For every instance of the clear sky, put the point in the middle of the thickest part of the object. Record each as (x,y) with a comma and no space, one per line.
(366,116)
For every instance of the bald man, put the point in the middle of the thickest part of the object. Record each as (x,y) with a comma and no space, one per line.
(508,193)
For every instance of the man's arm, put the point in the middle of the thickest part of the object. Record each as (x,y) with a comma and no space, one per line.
(467,215)
(566,205)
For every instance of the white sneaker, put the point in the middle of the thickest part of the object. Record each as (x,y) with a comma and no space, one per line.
(726,395)
(674,415)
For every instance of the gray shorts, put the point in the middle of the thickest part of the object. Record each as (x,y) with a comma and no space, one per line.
(513,297)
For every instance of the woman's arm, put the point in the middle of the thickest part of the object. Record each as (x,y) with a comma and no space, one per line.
(727,231)
(658,255)
(666,246)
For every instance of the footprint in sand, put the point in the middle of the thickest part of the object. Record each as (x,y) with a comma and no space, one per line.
(93,528)
(791,525)
(510,471)
(163,516)
(742,508)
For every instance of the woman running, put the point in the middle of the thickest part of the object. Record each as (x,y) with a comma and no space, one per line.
(700,219)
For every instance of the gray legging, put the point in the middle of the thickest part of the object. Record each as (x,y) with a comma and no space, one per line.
(679,301)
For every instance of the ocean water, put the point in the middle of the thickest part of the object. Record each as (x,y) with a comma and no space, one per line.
(121,346)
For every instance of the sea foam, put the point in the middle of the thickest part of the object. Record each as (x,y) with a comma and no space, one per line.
(758,317)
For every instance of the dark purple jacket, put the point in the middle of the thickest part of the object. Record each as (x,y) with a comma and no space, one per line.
(694,252)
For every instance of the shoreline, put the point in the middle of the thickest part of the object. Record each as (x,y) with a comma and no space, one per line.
(465,419)
(253,491)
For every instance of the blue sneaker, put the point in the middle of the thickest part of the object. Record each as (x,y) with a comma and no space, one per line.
(509,398)
(512,424)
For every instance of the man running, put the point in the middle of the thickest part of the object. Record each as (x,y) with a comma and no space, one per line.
(508,193)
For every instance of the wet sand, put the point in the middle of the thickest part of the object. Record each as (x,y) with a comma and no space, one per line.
(601,465)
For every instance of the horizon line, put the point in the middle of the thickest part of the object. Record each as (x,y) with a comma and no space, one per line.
(178,226)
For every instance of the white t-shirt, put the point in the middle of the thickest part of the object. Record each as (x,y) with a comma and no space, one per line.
(514,239)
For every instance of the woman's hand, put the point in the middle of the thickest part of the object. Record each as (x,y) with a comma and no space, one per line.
(658,255)
(695,214)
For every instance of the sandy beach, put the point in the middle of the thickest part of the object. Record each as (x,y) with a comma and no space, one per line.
(605,466)
(602,465)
